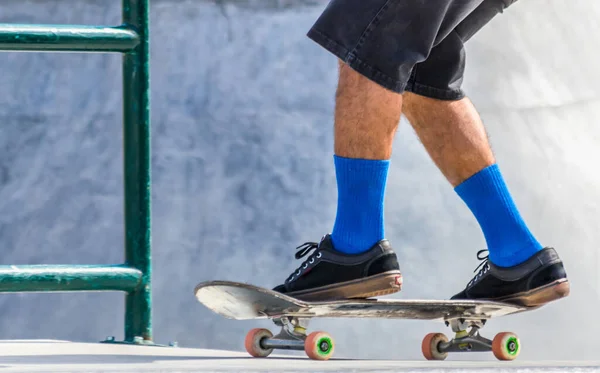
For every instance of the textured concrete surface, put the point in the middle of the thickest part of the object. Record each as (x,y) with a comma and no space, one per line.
(64,356)
(242,165)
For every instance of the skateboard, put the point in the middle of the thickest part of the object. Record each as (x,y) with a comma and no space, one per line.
(240,301)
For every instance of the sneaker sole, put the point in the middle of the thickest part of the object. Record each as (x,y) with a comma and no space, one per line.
(540,296)
(373,286)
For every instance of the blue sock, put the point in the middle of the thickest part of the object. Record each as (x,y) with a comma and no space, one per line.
(509,240)
(361,190)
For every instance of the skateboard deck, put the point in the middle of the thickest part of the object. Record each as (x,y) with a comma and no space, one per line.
(244,302)
(240,301)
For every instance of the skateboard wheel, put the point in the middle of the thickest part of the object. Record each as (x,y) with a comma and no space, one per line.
(429,346)
(253,342)
(319,346)
(506,346)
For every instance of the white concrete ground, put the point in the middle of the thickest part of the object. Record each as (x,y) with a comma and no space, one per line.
(64,356)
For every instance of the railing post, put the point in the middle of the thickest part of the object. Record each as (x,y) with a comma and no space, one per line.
(137,169)
(134,276)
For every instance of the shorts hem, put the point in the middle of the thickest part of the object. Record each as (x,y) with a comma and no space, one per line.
(436,93)
(360,66)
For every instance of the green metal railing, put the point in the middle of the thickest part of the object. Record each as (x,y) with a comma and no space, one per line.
(134,276)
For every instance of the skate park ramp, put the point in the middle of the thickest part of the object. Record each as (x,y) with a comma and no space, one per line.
(242,111)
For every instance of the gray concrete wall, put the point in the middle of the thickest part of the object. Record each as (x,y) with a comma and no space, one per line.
(242,163)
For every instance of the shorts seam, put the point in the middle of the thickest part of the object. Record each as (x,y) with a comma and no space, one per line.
(375,73)
(354,62)
(328,43)
(370,27)
(412,78)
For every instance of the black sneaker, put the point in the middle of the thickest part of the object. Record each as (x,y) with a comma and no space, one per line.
(330,275)
(539,280)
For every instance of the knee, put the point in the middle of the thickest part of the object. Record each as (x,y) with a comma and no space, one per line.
(353,83)
(413,104)
(420,109)
(350,79)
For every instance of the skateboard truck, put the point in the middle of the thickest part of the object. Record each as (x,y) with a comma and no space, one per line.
(291,336)
(316,345)
(466,341)
(436,346)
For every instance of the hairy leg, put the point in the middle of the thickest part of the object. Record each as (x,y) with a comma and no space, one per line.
(454,136)
(366,119)
(452,133)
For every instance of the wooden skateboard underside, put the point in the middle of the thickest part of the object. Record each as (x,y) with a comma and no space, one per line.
(243,301)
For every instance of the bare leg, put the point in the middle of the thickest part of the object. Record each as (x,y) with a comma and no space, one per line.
(366,117)
(452,133)
(454,136)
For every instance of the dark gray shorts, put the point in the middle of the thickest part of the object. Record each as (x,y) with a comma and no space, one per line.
(406,45)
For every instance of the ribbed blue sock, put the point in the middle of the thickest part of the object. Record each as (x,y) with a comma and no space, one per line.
(509,240)
(361,191)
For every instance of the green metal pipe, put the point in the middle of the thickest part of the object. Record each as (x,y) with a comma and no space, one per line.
(137,175)
(67,38)
(62,278)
